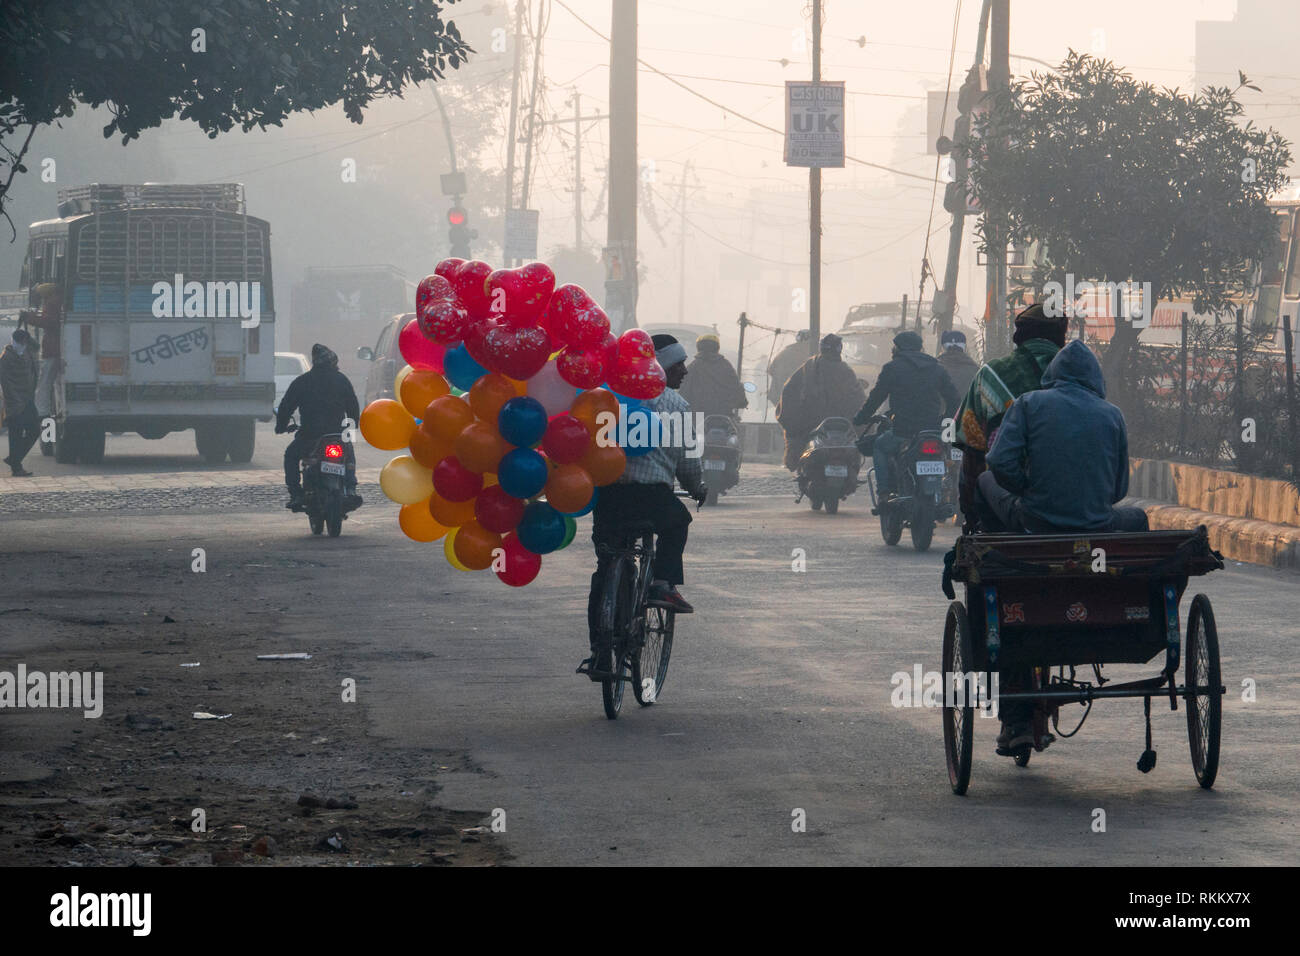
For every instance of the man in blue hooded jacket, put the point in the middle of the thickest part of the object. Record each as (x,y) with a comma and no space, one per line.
(1060,460)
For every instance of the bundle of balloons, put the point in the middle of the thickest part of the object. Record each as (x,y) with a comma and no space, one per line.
(498,409)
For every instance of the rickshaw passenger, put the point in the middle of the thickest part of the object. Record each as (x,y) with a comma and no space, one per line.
(1059,463)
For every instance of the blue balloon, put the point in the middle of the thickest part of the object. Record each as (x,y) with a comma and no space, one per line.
(542,528)
(595,493)
(647,424)
(522,421)
(460,368)
(522,474)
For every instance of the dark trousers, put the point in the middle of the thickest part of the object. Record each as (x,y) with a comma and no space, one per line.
(24,429)
(1000,510)
(618,507)
(300,446)
(886,446)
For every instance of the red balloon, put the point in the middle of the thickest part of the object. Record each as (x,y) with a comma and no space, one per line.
(498,511)
(432,288)
(469,281)
(476,332)
(516,353)
(418,350)
(565,301)
(521,564)
(566,439)
(635,344)
(638,379)
(581,368)
(454,481)
(447,268)
(443,321)
(521,293)
(586,328)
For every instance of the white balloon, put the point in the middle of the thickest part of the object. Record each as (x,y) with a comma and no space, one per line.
(555,394)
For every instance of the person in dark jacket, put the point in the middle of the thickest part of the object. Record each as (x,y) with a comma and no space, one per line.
(786,363)
(18,382)
(712,385)
(1060,459)
(920,394)
(325,397)
(961,368)
(824,386)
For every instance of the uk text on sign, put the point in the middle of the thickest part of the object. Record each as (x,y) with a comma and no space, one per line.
(814,123)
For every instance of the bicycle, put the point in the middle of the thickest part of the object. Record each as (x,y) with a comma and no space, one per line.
(635,637)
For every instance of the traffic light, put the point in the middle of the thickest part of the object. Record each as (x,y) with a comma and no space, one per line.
(459,232)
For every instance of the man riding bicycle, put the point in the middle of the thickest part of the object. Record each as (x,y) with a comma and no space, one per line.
(644,493)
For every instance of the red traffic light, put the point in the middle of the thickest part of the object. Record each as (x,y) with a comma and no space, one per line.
(456,216)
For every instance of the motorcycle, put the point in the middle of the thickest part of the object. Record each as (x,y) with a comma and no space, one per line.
(829,466)
(920,501)
(329,481)
(721,455)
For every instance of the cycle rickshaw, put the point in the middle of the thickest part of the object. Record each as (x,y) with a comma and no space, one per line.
(1040,607)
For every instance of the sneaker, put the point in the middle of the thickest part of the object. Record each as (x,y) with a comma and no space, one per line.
(667,596)
(295,501)
(596,666)
(21,472)
(1013,737)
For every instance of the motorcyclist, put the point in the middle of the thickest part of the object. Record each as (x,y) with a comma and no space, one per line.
(325,398)
(712,385)
(823,387)
(920,394)
(785,364)
(961,368)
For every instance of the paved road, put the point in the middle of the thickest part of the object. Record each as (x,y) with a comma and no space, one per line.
(778,698)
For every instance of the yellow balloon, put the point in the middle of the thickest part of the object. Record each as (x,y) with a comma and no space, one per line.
(386,424)
(489,479)
(406,481)
(449,549)
(418,524)
(401,377)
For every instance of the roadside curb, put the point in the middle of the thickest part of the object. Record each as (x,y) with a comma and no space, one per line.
(1241,539)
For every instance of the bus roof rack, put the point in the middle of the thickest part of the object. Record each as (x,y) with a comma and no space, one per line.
(100,197)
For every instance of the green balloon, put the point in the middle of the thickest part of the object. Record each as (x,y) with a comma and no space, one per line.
(458,392)
(570,529)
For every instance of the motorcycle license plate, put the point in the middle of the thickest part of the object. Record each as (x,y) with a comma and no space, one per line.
(955,454)
(711,465)
(837,471)
(329,468)
(930,468)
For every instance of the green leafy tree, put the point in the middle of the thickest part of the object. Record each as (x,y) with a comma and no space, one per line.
(1118,180)
(217,63)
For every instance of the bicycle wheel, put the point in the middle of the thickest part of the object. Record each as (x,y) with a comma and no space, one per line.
(650,663)
(615,617)
(1203,699)
(958,658)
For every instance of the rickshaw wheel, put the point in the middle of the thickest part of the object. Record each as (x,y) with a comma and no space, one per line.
(958,721)
(1203,700)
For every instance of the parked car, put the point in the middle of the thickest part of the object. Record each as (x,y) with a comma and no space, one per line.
(288,366)
(385,359)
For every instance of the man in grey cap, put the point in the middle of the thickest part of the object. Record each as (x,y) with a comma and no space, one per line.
(823,387)
(18,380)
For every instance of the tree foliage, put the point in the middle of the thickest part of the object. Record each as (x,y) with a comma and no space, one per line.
(217,63)
(1120,180)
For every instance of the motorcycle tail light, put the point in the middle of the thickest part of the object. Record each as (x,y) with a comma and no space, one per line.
(931,447)
(333,451)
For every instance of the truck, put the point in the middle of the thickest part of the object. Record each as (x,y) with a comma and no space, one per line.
(167,315)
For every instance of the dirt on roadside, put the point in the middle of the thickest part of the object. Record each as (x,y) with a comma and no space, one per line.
(290,777)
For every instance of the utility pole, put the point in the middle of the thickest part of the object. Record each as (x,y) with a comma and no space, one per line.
(532,110)
(514,108)
(945,300)
(577,170)
(815,207)
(996,277)
(620,252)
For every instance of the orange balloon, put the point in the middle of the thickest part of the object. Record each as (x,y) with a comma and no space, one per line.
(420,387)
(591,403)
(447,417)
(489,479)
(417,523)
(479,448)
(386,424)
(450,514)
(521,388)
(474,545)
(488,394)
(604,463)
(569,488)
(427,448)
